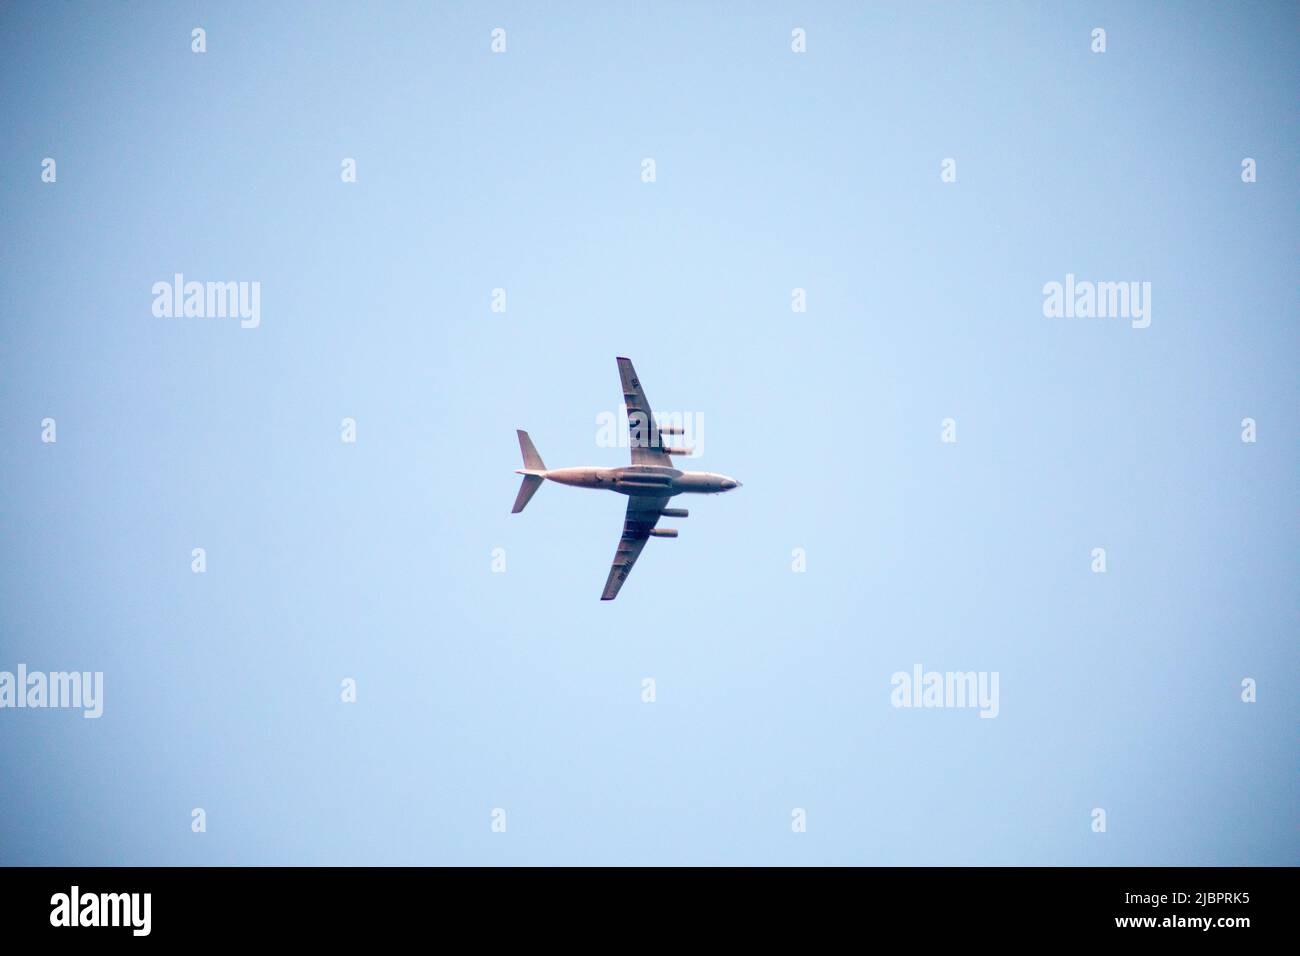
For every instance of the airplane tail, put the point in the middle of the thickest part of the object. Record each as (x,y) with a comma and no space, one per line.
(526,492)
(534,472)
(532,460)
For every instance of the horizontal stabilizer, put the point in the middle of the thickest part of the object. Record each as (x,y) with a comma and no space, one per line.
(526,492)
(532,460)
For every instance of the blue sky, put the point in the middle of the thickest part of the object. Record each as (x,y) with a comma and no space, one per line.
(521,690)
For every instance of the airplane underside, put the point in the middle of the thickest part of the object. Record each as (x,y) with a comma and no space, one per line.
(649,483)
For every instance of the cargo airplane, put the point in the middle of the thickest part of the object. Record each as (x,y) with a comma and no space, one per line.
(649,482)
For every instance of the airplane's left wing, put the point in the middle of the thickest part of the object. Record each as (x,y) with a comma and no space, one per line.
(642,513)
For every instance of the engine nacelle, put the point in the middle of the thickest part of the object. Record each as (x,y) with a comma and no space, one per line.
(679,451)
(663,532)
(671,430)
(674,512)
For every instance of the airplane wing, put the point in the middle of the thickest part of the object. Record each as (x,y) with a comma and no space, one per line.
(642,513)
(647,448)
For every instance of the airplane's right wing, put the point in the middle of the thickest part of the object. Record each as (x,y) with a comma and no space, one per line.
(642,432)
(642,513)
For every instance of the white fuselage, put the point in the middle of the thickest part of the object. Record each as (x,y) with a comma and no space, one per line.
(657,481)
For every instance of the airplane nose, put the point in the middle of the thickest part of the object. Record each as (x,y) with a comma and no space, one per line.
(729,483)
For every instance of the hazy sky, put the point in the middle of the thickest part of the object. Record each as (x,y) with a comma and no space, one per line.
(774,171)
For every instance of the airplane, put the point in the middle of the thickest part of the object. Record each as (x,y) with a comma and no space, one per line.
(649,482)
